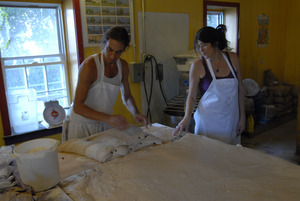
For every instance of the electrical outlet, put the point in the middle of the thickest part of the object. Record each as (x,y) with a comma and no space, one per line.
(136,72)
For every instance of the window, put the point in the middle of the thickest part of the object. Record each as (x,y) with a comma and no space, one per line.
(32,51)
(230,17)
(214,18)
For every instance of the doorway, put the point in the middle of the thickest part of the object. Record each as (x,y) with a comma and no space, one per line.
(230,18)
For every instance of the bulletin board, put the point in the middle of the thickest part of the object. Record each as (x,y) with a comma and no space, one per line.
(97,16)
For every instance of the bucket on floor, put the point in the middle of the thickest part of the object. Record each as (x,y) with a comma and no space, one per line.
(37,162)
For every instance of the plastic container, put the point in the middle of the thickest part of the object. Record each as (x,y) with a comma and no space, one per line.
(37,162)
(269,112)
(250,124)
(22,108)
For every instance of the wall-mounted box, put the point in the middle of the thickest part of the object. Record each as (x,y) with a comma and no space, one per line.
(136,72)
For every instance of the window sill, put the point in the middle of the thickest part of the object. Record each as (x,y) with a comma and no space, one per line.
(42,132)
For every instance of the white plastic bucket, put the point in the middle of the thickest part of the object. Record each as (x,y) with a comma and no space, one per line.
(37,162)
(22,108)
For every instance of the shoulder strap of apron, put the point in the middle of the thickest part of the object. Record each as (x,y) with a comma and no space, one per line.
(210,69)
(100,69)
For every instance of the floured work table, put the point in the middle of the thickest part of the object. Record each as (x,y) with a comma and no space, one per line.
(152,164)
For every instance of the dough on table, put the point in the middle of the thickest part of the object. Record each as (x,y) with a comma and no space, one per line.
(110,144)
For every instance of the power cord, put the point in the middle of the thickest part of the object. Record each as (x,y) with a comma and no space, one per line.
(149,58)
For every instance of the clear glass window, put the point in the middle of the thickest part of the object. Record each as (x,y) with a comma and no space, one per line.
(32,50)
(214,18)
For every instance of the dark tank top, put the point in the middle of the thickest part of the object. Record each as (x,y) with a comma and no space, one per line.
(207,79)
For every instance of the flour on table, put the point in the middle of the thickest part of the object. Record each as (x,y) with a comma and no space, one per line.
(192,168)
(162,132)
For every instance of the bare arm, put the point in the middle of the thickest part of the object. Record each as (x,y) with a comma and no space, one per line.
(236,64)
(196,72)
(127,97)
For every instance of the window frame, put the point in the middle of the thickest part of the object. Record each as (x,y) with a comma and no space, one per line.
(206,4)
(7,132)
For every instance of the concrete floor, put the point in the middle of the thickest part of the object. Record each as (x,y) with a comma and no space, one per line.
(279,141)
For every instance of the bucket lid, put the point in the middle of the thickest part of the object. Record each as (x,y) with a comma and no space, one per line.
(14,95)
(251,87)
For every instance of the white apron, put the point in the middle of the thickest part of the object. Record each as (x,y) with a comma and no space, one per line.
(217,115)
(101,97)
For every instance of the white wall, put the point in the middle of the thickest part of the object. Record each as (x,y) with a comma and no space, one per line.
(230,20)
(166,34)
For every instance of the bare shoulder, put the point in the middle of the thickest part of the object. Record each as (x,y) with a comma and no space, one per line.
(88,68)
(124,63)
(88,63)
(197,68)
(233,55)
(234,60)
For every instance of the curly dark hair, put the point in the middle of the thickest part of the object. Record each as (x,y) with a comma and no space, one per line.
(215,36)
(117,33)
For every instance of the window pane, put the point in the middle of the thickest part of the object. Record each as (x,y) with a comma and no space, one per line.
(54,95)
(36,78)
(63,102)
(33,60)
(11,62)
(28,31)
(15,78)
(61,96)
(58,94)
(212,20)
(56,77)
(52,59)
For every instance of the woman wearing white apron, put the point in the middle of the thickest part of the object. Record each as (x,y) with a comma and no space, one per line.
(100,79)
(221,110)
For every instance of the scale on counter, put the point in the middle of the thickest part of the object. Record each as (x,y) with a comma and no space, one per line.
(54,114)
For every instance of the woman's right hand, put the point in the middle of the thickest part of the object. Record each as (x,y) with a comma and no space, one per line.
(182,126)
(118,121)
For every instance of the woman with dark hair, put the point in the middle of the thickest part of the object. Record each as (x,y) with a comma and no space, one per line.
(101,76)
(217,76)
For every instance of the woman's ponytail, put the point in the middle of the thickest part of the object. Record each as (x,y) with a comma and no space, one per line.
(223,43)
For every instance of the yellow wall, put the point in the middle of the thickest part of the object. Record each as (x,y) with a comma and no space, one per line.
(281,55)
(256,59)
(291,67)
